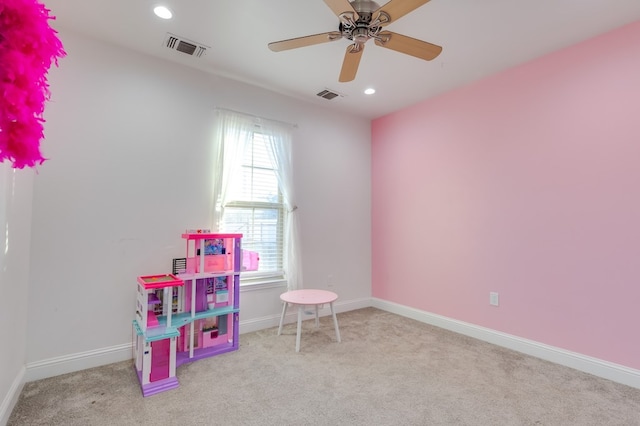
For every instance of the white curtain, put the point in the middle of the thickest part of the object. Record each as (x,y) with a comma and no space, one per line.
(279,136)
(233,130)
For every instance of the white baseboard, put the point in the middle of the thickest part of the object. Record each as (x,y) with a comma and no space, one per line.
(597,367)
(79,361)
(11,398)
(257,324)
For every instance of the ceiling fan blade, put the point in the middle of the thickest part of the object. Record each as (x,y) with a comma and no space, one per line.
(294,43)
(341,6)
(396,9)
(351,61)
(408,45)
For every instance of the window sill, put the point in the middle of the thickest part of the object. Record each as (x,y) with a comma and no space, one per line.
(261,284)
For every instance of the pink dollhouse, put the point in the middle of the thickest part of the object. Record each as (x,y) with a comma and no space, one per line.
(190,315)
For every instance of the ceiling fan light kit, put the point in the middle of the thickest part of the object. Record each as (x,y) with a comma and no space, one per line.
(361,21)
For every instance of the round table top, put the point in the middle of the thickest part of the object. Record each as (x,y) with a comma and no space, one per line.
(308,297)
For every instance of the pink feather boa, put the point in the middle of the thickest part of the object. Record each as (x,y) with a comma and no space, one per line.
(28,46)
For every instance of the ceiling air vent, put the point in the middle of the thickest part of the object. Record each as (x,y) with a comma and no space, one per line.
(183,45)
(329,94)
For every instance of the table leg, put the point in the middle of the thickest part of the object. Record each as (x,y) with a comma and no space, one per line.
(300,308)
(335,322)
(284,311)
(317,320)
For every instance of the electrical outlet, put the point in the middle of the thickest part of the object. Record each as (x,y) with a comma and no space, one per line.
(330,281)
(494,299)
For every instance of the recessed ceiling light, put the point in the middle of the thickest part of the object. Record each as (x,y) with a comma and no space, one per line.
(369,91)
(162,12)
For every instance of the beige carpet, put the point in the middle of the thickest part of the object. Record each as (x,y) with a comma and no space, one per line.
(388,370)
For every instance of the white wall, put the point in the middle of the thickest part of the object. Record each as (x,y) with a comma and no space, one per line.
(128,138)
(16,192)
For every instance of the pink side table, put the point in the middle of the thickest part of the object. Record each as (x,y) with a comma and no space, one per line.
(308,297)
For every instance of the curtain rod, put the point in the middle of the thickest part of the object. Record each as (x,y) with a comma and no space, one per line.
(295,126)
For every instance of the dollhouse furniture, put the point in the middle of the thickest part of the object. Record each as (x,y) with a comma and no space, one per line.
(189,315)
(308,297)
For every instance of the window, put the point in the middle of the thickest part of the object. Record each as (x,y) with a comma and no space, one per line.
(254,206)
(253,193)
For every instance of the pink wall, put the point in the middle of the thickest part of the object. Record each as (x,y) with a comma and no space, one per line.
(528,184)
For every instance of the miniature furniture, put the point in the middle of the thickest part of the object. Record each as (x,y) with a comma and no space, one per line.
(191,314)
(308,297)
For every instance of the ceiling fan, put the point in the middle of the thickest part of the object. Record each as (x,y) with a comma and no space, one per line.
(360,21)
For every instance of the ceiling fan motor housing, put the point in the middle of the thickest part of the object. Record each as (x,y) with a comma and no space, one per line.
(360,30)
(365,6)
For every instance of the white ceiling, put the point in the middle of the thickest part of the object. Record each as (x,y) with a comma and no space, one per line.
(479,38)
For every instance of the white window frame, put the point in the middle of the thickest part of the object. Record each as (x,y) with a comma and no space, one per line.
(273,275)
